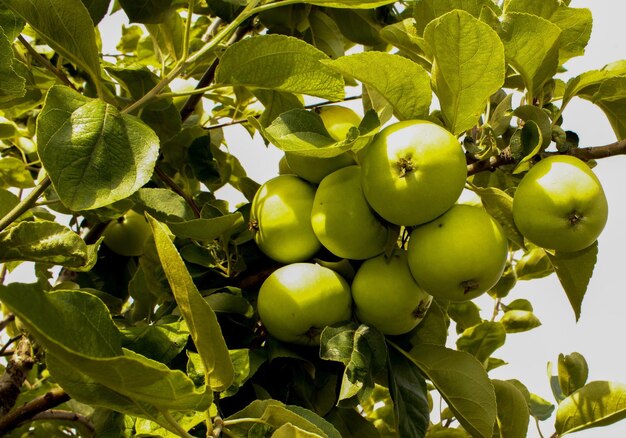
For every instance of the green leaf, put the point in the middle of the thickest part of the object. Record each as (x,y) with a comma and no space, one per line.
(517,321)
(574,270)
(147,11)
(94,353)
(596,404)
(351,424)
(95,155)
(482,340)
(402,82)
(575,24)
(47,242)
(527,142)
(499,205)
(404,36)
(13,173)
(408,392)
(540,408)
(12,85)
(519,304)
(611,99)
(512,410)
(466,314)
(97,9)
(67,28)
(588,83)
(168,35)
(7,201)
(288,430)
(531,46)
(468,68)
(543,9)
(325,34)
(275,103)
(206,229)
(361,349)
(282,63)
(426,11)
(12,25)
(463,383)
(160,342)
(200,318)
(533,264)
(276,414)
(573,372)
(530,113)
(163,204)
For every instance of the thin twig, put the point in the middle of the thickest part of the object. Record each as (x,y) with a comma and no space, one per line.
(57,414)
(49,400)
(6,321)
(25,204)
(8,343)
(586,154)
(167,180)
(45,62)
(14,376)
(311,106)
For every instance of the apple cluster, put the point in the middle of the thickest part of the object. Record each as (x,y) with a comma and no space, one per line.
(411,175)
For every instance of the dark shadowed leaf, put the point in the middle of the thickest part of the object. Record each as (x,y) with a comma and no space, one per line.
(482,340)
(573,372)
(512,410)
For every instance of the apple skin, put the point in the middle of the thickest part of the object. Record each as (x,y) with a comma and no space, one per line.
(338,120)
(127,235)
(560,204)
(314,169)
(458,256)
(413,171)
(343,221)
(297,301)
(386,295)
(281,216)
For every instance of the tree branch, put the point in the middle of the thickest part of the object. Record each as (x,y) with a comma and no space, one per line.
(585,154)
(25,204)
(169,182)
(6,321)
(44,61)
(56,414)
(14,375)
(17,416)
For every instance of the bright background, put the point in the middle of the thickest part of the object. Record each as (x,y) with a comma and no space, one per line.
(598,333)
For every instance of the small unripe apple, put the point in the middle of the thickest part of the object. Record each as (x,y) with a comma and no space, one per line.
(126,236)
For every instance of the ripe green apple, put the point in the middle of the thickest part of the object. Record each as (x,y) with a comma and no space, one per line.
(343,221)
(413,171)
(126,236)
(281,216)
(297,301)
(386,295)
(560,204)
(460,255)
(337,120)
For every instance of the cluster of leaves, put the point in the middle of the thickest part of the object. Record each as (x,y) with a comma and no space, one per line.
(169,343)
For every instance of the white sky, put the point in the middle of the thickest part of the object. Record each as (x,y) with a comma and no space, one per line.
(598,334)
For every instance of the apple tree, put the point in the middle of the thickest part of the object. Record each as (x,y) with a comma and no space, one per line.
(337,300)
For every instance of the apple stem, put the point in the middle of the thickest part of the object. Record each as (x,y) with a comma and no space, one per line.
(253,225)
(406,166)
(574,218)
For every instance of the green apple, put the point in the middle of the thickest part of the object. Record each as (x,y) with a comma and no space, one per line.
(560,204)
(386,295)
(460,255)
(126,236)
(337,120)
(297,301)
(281,217)
(342,219)
(413,171)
